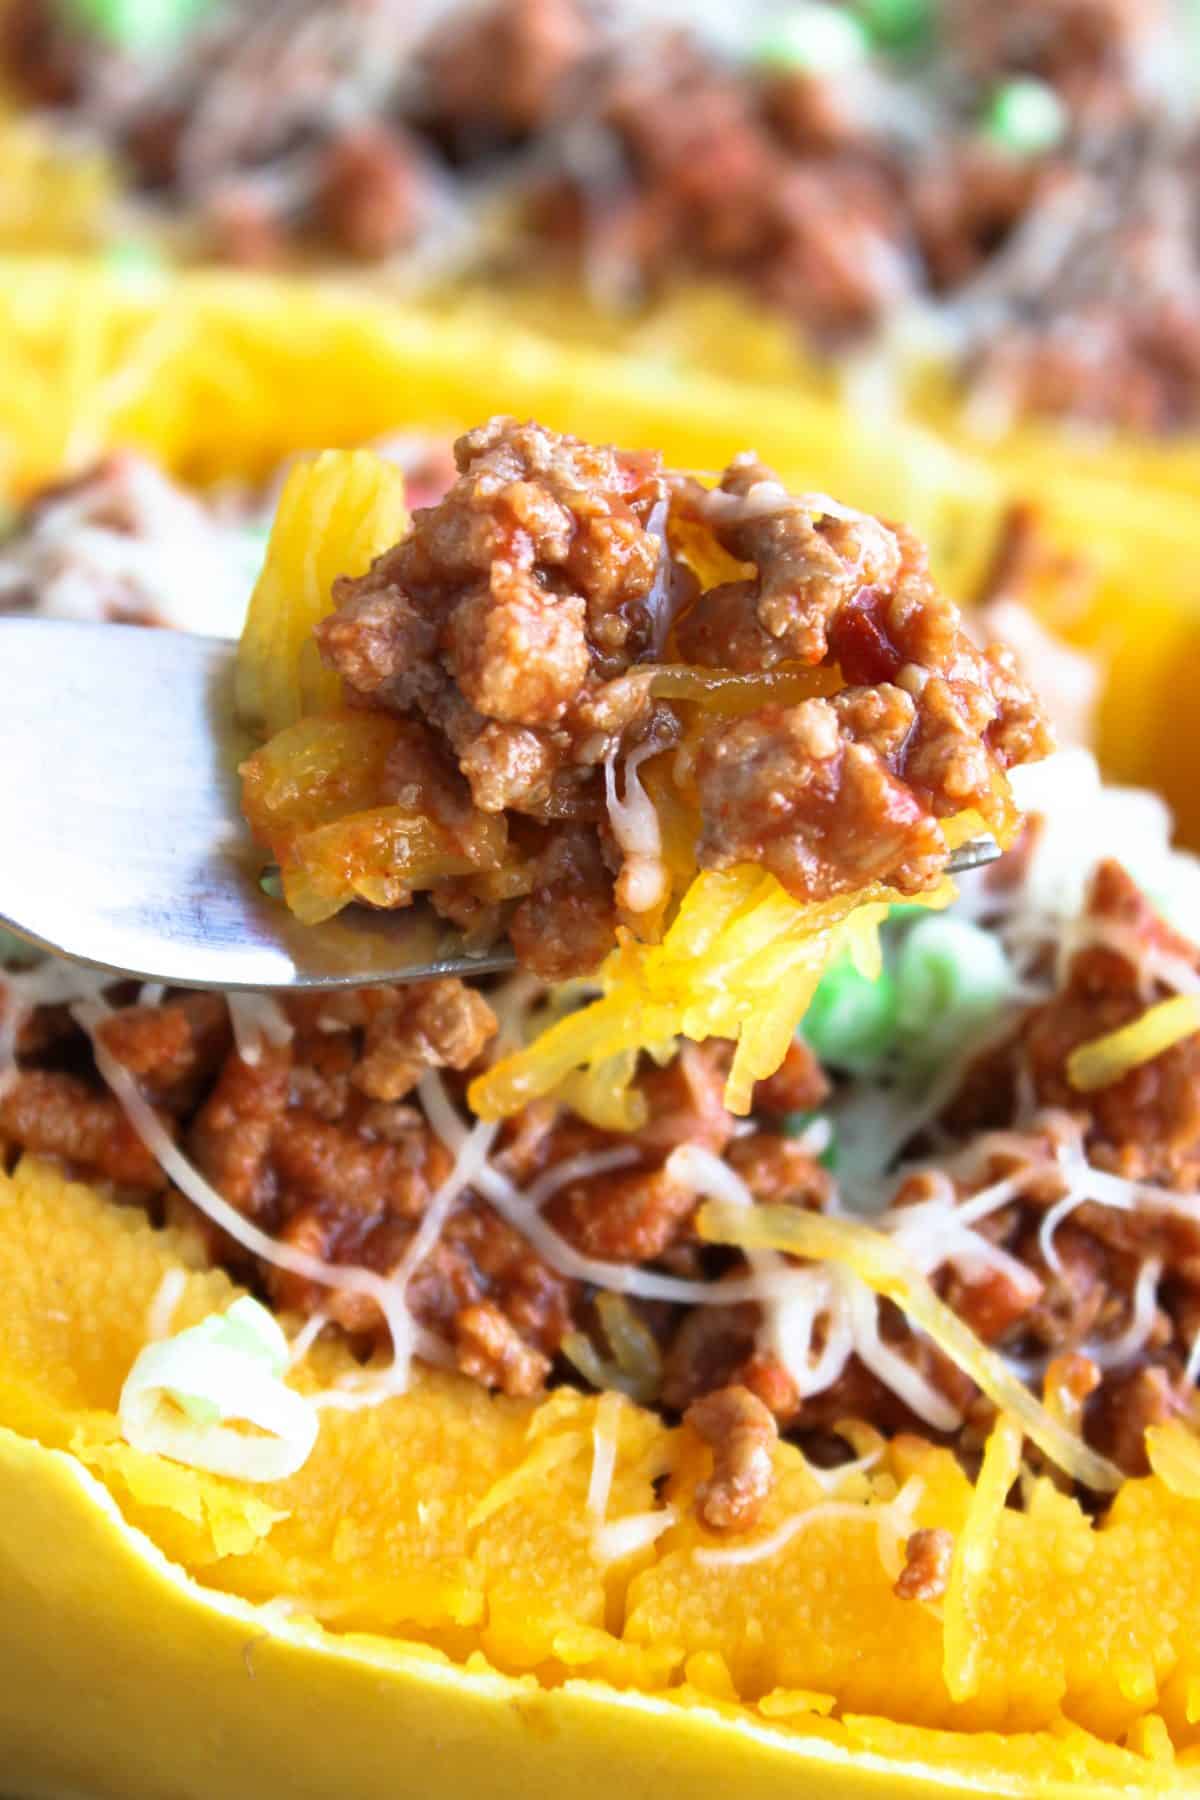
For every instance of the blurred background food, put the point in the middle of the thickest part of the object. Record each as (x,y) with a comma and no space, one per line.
(922,191)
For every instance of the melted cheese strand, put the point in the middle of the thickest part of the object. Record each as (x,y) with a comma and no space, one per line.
(50,983)
(1143,1312)
(643,881)
(165,1299)
(932,1233)
(257,1019)
(525,1217)
(605,1443)
(883,1265)
(635,1532)
(893,1517)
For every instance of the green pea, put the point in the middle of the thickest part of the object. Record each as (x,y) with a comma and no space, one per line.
(950,977)
(1025,116)
(898,26)
(139,24)
(851,1022)
(814,39)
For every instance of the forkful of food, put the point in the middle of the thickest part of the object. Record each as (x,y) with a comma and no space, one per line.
(583,715)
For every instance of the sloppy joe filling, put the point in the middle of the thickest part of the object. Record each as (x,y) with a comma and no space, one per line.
(1062,1227)
(571,626)
(992,1098)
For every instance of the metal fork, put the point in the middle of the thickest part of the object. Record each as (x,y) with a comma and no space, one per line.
(122,845)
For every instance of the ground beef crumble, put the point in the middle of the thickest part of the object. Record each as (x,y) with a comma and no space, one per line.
(741,1433)
(926,1572)
(517,628)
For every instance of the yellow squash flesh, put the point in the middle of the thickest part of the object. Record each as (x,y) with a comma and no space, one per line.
(421,1609)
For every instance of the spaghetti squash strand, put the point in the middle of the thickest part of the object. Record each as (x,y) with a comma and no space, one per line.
(336,514)
(974,1557)
(1107,1059)
(741,960)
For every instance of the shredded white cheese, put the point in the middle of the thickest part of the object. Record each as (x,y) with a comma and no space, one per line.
(51,982)
(166,1298)
(635,1532)
(1112,1353)
(187,1178)
(605,1443)
(257,1019)
(892,1521)
(642,883)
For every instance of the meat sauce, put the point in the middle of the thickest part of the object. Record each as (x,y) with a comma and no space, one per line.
(515,635)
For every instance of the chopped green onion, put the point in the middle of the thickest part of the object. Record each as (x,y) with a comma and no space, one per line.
(1025,116)
(251,1330)
(139,24)
(901,26)
(182,1393)
(950,978)
(852,1020)
(815,39)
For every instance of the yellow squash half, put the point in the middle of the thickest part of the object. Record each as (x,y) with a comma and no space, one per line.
(423,1610)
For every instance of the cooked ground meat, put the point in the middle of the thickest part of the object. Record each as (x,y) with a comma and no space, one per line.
(1126,1406)
(173,1049)
(1145,1126)
(1055,1305)
(741,1433)
(1098,53)
(370,192)
(967,200)
(503,72)
(60,1116)
(516,631)
(318,1142)
(926,1571)
(709,178)
(491,1350)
